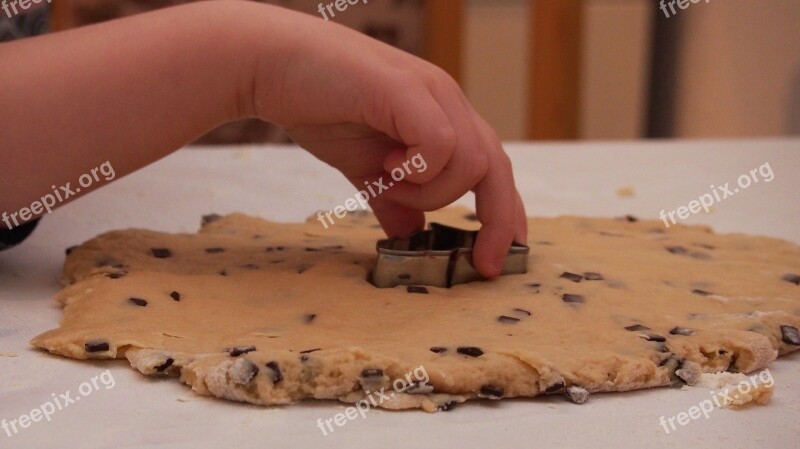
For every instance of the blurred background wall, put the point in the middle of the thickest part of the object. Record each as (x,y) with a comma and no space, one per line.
(613,69)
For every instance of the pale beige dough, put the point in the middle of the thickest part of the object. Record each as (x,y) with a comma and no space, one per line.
(299,294)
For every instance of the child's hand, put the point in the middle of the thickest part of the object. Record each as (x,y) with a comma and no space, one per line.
(366,108)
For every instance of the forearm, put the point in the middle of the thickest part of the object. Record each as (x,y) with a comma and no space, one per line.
(127,92)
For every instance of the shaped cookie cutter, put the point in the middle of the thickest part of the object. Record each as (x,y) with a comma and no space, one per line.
(438,257)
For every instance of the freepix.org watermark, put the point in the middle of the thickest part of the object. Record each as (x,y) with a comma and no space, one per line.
(340,5)
(59,195)
(719,398)
(361,199)
(682,4)
(58,402)
(10,7)
(717,194)
(417,380)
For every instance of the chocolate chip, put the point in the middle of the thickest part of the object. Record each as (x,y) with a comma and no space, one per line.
(681,331)
(676,249)
(372,372)
(591,276)
(470,351)
(277,376)
(438,349)
(115,275)
(416,289)
(310,317)
(138,301)
(507,319)
(223,272)
(790,335)
(333,248)
(175,295)
(653,337)
(471,217)
(447,406)
(636,327)
(491,392)
(699,292)
(570,298)
(96,346)
(534,286)
(522,311)
(215,250)
(69,250)
(309,351)
(555,388)
(630,219)
(163,367)
(303,267)
(313,250)
(571,276)
(576,394)
(791,277)
(236,351)
(210,218)
(161,253)
(270,249)
(404,276)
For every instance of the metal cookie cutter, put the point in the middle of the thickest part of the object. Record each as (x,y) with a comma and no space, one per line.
(439,257)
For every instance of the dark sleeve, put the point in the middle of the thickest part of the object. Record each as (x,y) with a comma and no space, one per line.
(9,238)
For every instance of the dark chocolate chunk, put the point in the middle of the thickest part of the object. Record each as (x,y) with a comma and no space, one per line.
(277,376)
(215,250)
(637,327)
(138,301)
(522,311)
(244,373)
(555,388)
(161,253)
(790,335)
(310,317)
(404,276)
(69,250)
(175,295)
(571,276)
(274,248)
(236,351)
(372,372)
(471,217)
(417,289)
(791,277)
(303,267)
(491,392)
(630,219)
(676,249)
(96,346)
(699,292)
(653,337)
(507,319)
(210,218)
(333,248)
(570,298)
(591,276)
(115,275)
(309,351)
(223,272)
(438,349)
(534,286)
(447,406)
(163,367)
(313,250)
(470,351)
(681,331)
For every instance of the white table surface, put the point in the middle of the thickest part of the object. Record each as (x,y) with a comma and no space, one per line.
(285,184)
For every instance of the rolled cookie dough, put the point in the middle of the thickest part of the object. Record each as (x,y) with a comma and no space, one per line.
(270,313)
